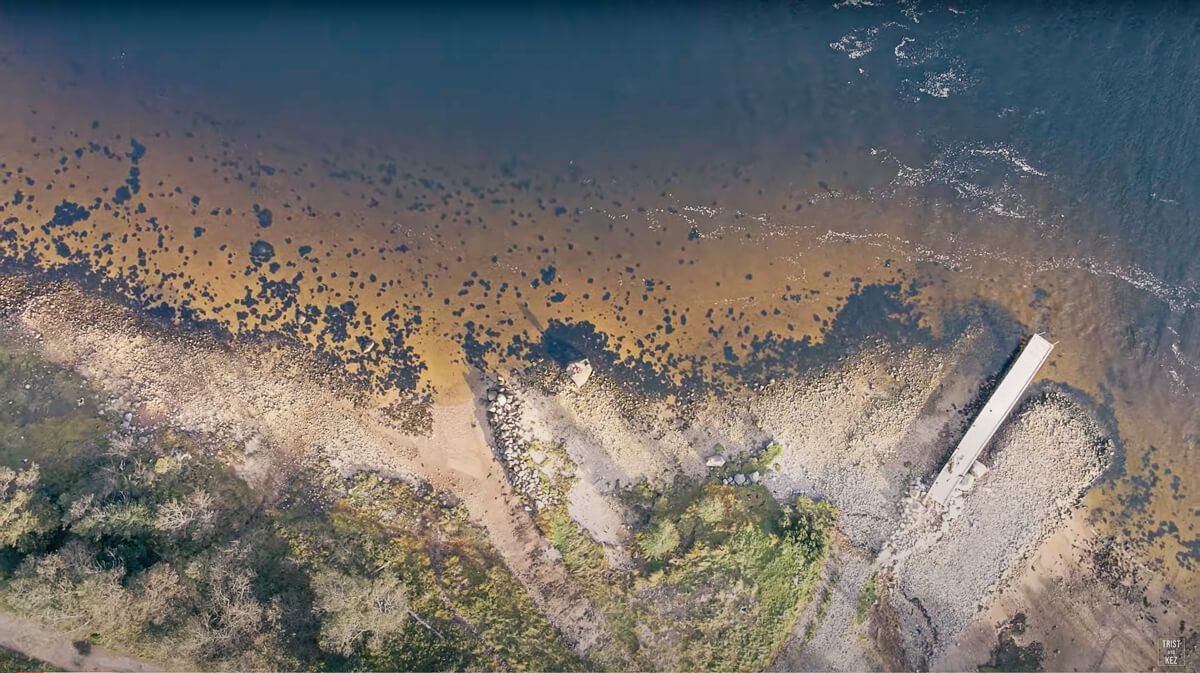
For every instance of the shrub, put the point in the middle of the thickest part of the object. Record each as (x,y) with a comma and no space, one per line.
(659,541)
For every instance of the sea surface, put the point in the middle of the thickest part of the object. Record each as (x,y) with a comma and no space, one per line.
(409,190)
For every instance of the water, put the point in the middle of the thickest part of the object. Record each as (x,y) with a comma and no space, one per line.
(667,161)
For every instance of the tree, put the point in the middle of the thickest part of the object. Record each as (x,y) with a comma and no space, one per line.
(229,619)
(124,519)
(24,512)
(70,591)
(160,597)
(355,609)
(191,517)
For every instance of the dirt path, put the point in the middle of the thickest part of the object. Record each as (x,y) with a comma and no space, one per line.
(54,647)
(270,404)
(458,459)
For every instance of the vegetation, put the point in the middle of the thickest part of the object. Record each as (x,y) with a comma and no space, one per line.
(1009,655)
(722,576)
(810,628)
(151,543)
(868,596)
(14,662)
(760,460)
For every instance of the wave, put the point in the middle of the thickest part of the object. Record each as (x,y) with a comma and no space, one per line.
(981,175)
(716,220)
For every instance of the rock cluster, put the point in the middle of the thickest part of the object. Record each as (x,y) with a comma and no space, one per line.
(740,479)
(524,463)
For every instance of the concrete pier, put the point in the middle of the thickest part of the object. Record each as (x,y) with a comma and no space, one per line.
(997,409)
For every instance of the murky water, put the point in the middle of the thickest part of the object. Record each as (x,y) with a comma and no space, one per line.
(404,189)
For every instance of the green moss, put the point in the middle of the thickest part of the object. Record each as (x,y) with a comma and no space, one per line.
(660,541)
(1009,655)
(41,419)
(583,556)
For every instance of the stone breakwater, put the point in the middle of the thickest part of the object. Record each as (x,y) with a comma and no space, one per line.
(535,470)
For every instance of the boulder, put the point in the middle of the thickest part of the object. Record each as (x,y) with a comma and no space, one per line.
(579,371)
(715,461)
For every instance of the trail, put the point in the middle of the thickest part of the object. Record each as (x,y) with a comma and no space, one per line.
(55,647)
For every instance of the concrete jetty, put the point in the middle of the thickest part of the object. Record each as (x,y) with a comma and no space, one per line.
(963,468)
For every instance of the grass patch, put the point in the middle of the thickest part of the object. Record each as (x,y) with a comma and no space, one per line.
(868,596)
(12,662)
(606,589)
(761,461)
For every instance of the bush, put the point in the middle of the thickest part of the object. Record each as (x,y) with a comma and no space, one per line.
(659,541)
(358,611)
(25,513)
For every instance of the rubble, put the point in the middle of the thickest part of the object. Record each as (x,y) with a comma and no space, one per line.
(952,561)
(529,469)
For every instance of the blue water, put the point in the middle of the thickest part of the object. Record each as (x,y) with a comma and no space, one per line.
(1084,112)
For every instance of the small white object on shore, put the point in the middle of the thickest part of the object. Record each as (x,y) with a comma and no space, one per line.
(580,371)
(715,461)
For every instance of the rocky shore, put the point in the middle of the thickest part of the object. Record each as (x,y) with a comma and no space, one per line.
(866,433)
(537,471)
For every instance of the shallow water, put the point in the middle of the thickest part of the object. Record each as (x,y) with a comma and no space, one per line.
(689,182)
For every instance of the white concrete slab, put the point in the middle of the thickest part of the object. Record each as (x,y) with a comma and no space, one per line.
(997,409)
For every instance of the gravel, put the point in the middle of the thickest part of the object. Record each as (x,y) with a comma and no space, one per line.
(863,434)
(858,435)
(824,646)
(948,570)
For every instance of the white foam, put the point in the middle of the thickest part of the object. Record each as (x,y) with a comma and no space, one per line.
(979,175)
(859,43)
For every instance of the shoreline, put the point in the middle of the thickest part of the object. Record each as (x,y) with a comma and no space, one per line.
(912,392)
